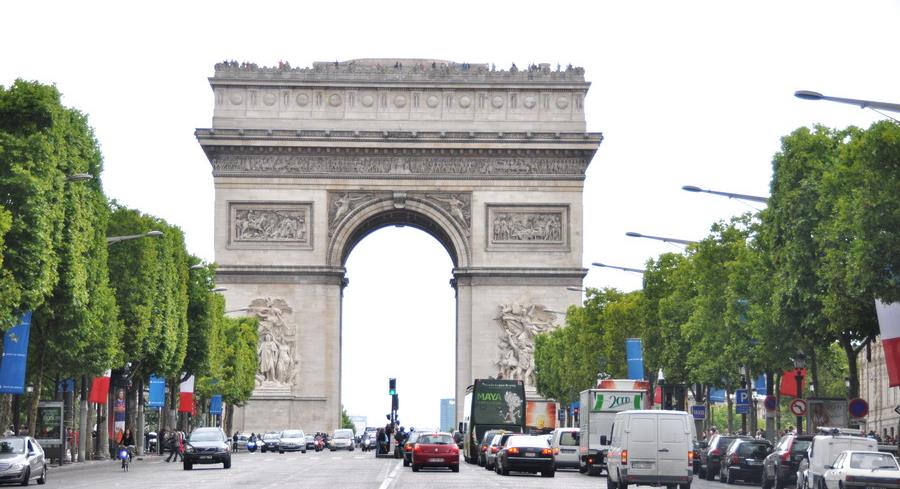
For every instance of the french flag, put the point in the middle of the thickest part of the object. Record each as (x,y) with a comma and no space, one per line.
(100,388)
(186,396)
(889,323)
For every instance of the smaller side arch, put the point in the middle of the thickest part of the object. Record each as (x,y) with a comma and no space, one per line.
(414,212)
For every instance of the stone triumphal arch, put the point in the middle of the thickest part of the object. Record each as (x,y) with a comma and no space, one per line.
(308,161)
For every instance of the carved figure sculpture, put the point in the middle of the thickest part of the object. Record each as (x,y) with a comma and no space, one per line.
(277,364)
(520,324)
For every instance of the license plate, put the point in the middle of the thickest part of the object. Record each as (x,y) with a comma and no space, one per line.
(568,451)
(642,465)
(529,454)
(206,457)
(754,462)
(435,460)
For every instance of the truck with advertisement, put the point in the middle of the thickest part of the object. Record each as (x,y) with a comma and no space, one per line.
(491,404)
(598,410)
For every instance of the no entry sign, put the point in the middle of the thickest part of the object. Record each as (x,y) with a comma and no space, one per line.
(858,408)
(798,407)
(770,403)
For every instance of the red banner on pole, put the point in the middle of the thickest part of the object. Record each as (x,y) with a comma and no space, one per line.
(100,388)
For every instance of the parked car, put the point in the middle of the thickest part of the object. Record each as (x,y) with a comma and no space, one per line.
(408,447)
(23,459)
(310,442)
(341,440)
(207,446)
(859,469)
(711,457)
(780,466)
(650,447)
(564,443)
(490,455)
(744,460)
(269,442)
(823,450)
(435,450)
(485,444)
(525,453)
(292,441)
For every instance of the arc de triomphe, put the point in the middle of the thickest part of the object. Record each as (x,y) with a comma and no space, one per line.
(308,161)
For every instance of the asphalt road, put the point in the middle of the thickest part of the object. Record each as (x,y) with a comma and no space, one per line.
(327,470)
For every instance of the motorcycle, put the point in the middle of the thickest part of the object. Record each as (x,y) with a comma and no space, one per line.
(367,444)
(125,457)
(251,446)
(320,444)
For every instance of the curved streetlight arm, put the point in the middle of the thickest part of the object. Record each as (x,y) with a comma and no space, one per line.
(635,270)
(118,239)
(752,198)
(660,238)
(809,95)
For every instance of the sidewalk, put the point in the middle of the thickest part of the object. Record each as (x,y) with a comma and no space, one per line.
(70,466)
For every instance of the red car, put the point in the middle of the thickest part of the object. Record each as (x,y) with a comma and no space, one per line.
(435,450)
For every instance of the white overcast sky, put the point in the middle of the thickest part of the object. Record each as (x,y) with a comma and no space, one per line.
(685,93)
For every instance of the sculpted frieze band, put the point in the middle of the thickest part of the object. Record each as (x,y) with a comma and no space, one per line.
(539,227)
(455,205)
(270,224)
(305,165)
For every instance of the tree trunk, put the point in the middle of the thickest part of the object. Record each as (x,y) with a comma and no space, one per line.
(38,385)
(229,418)
(90,441)
(139,433)
(853,369)
(6,401)
(814,374)
(103,429)
(84,432)
(730,411)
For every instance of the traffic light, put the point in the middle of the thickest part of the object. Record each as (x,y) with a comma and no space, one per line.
(392,386)
(395,402)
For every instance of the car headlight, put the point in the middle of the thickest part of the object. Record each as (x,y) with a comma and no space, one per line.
(189,449)
(17,466)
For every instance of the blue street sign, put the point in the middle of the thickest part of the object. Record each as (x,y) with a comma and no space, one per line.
(717,395)
(740,397)
(157,392)
(215,404)
(699,412)
(634,358)
(742,408)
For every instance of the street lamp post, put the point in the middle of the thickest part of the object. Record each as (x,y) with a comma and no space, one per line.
(799,363)
(744,386)
(685,242)
(627,269)
(118,239)
(752,198)
(863,104)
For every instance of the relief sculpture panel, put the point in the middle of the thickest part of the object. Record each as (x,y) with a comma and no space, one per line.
(528,228)
(520,323)
(457,205)
(278,362)
(279,224)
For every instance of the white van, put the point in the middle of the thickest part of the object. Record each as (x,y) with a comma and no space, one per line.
(651,447)
(822,451)
(564,442)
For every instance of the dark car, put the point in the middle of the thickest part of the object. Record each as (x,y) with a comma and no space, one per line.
(435,450)
(711,457)
(695,455)
(486,443)
(269,442)
(780,467)
(408,447)
(207,446)
(744,460)
(524,453)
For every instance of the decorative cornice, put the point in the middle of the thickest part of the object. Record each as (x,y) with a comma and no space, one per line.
(399,70)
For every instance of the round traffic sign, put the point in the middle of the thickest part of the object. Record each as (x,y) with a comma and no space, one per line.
(798,407)
(770,403)
(858,408)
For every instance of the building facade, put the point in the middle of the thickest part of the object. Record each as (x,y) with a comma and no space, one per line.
(876,390)
(448,415)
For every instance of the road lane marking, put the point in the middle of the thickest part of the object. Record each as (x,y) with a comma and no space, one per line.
(390,479)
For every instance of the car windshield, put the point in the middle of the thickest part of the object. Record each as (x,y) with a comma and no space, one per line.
(567,439)
(292,434)
(342,435)
(872,461)
(800,445)
(12,445)
(206,436)
(270,436)
(725,441)
(436,440)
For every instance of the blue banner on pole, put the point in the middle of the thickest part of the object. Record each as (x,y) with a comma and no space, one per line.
(157,392)
(15,357)
(215,404)
(761,385)
(717,395)
(67,385)
(634,357)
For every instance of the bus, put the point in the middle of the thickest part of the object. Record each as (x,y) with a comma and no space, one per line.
(491,404)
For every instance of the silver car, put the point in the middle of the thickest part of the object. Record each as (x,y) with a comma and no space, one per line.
(22,460)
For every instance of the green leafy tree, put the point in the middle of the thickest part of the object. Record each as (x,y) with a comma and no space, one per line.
(667,304)
(346,422)
(234,361)
(9,289)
